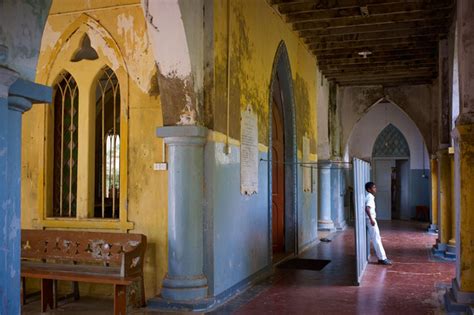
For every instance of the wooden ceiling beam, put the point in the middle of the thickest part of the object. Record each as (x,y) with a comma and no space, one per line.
(373,28)
(397,82)
(383,78)
(289,7)
(376,49)
(319,46)
(374,70)
(382,74)
(378,65)
(361,61)
(379,19)
(377,35)
(392,54)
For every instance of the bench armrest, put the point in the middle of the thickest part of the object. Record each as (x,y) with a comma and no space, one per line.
(133,261)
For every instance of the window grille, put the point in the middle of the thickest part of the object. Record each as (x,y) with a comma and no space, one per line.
(107,163)
(65,147)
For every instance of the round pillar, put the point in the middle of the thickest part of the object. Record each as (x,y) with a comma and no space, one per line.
(325,222)
(185,280)
(434,194)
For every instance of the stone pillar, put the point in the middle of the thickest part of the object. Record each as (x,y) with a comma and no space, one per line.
(10,167)
(451,246)
(434,194)
(462,291)
(185,280)
(16,97)
(337,197)
(325,222)
(444,201)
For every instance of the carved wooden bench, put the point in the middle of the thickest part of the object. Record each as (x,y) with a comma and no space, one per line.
(94,257)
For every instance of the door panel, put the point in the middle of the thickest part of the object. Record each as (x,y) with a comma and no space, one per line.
(278,179)
(383,181)
(361,173)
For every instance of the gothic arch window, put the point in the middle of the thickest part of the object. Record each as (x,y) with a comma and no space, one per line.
(65,147)
(107,146)
(390,143)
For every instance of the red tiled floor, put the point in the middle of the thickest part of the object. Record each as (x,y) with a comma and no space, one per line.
(407,287)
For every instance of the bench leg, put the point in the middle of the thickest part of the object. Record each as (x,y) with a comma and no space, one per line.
(75,290)
(120,299)
(23,291)
(47,296)
(143,299)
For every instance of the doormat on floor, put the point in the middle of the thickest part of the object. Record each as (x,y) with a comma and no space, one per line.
(307,264)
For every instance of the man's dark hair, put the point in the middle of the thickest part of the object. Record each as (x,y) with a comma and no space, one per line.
(369,185)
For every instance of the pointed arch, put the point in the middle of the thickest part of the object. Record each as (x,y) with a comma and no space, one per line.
(364,133)
(85,24)
(281,78)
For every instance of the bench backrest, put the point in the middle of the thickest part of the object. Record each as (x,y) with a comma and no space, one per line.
(79,246)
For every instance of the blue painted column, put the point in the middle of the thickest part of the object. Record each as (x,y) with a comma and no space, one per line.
(325,222)
(185,280)
(337,196)
(10,128)
(16,97)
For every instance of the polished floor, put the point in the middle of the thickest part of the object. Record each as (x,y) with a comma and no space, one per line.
(413,285)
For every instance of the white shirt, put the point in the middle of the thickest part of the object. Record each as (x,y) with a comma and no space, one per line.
(370,202)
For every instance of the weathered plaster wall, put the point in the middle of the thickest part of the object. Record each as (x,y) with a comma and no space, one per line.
(237,230)
(416,101)
(253,46)
(323,105)
(21,25)
(181,36)
(119,35)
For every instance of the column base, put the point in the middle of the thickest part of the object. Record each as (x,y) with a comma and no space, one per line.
(433,228)
(326,226)
(439,249)
(184,288)
(450,251)
(340,226)
(458,301)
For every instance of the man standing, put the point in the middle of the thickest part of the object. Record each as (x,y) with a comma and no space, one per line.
(374,232)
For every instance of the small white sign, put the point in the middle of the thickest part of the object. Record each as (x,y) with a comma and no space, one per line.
(163,166)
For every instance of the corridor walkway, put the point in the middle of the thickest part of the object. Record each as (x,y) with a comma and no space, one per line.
(413,285)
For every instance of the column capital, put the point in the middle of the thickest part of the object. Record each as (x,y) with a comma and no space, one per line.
(7,78)
(19,104)
(464,132)
(185,135)
(443,151)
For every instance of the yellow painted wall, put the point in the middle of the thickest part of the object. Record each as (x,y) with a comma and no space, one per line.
(256,32)
(117,29)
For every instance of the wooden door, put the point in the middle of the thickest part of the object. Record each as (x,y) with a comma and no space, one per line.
(278,177)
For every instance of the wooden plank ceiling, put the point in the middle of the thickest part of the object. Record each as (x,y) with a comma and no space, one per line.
(399,37)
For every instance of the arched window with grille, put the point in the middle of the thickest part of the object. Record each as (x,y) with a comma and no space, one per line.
(65,113)
(107,146)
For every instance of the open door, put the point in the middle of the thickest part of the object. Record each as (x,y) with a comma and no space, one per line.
(361,176)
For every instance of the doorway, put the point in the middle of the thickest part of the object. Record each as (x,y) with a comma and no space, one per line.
(392,179)
(278,171)
(391,156)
